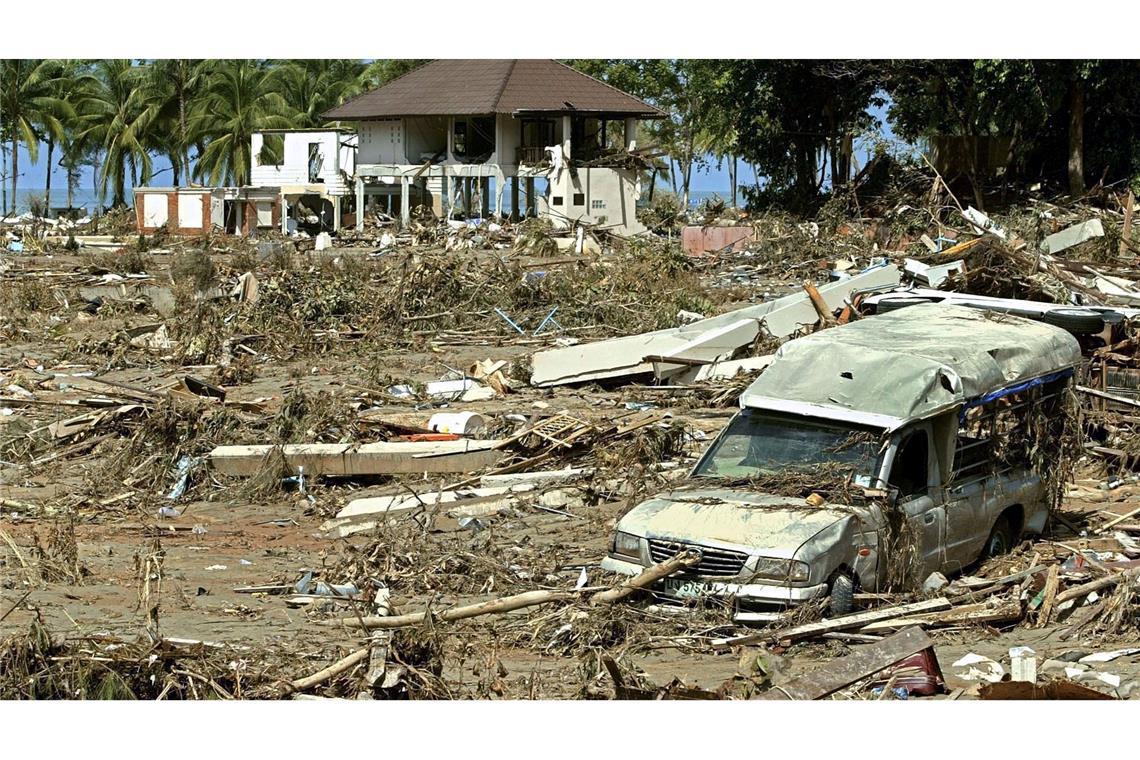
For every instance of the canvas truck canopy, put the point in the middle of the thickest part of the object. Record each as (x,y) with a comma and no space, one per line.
(909,364)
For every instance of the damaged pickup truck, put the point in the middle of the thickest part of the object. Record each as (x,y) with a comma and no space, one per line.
(868,456)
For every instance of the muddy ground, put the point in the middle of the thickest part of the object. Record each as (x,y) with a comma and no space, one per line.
(226,537)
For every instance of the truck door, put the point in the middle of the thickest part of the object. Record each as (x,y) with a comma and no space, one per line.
(911,473)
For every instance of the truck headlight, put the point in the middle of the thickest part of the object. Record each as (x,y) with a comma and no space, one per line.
(627,545)
(781,569)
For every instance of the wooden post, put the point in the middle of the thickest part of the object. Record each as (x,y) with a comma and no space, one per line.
(1126,230)
(405,201)
(359,204)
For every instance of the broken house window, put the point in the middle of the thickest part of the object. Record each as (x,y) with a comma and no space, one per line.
(760,443)
(597,204)
(316,161)
(556,200)
(579,199)
(473,140)
(272,151)
(910,471)
(537,134)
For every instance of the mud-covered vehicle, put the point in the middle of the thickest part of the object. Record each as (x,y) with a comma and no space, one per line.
(869,455)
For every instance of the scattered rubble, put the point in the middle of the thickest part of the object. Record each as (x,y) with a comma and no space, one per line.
(404,456)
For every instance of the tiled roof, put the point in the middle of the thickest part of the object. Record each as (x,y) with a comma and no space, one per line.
(483,86)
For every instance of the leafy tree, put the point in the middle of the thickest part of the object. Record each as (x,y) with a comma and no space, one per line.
(172,88)
(239,99)
(30,107)
(794,119)
(383,70)
(114,111)
(311,87)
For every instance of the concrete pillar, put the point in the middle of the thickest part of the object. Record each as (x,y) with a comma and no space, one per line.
(630,132)
(467,188)
(336,199)
(359,204)
(405,201)
(567,128)
(531,201)
(515,199)
(450,139)
(500,188)
(284,215)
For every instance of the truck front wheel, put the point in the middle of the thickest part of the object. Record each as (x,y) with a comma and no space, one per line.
(842,599)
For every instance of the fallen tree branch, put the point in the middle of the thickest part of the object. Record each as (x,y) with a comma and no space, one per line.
(332,671)
(1076,592)
(647,577)
(528,598)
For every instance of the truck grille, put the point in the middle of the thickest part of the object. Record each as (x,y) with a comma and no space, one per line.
(717,562)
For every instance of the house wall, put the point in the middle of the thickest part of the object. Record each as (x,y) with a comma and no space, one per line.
(381,142)
(601,196)
(294,169)
(183,212)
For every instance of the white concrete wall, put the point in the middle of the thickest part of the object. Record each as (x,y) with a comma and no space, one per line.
(381,142)
(294,169)
(154,210)
(607,197)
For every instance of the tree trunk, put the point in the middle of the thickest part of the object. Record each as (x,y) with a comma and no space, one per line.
(732,178)
(15,173)
(175,160)
(3,176)
(47,179)
(118,192)
(183,149)
(1077,138)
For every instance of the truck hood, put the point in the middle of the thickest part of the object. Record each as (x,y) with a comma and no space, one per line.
(758,521)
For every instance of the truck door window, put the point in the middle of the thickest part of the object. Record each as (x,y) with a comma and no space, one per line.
(909,471)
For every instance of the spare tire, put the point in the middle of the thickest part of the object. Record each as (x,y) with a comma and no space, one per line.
(1076,321)
(883,305)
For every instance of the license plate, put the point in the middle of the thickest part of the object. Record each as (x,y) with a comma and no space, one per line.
(686,589)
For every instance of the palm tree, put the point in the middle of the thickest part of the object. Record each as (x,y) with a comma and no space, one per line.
(29,106)
(312,86)
(116,120)
(171,88)
(239,100)
(66,86)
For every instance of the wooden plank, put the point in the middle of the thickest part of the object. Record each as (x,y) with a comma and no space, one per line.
(970,614)
(863,662)
(1052,582)
(382,458)
(1120,519)
(1108,396)
(847,622)
(1126,229)
(1085,589)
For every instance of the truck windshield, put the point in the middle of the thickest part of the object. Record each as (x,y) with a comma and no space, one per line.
(758,444)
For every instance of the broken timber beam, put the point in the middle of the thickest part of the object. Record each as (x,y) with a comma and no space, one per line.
(1076,592)
(843,623)
(342,459)
(864,661)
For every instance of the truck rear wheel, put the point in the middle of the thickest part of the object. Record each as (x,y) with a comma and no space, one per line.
(1000,540)
(842,599)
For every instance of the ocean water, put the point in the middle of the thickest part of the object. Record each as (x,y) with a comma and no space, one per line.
(80,198)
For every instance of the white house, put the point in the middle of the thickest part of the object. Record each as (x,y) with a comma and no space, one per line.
(310,166)
(449,129)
